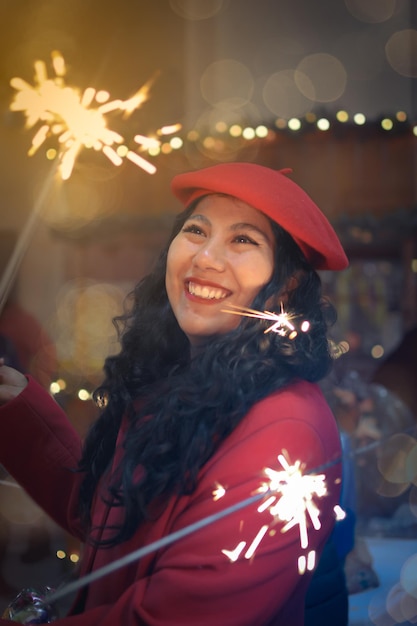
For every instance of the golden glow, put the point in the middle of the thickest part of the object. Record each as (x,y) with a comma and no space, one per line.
(74,558)
(61,554)
(218,492)
(387,124)
(261,131)
(296,503)
(377,351)
(281,321)
(294,124)
(248,133)
(64,112)
(235,130)
(323,124)
(84,395)
(359,119)
(401,116)
(288,498)
(342,116)
(414,266)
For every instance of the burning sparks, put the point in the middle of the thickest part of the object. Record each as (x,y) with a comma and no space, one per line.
(282,324)
(289,497)
(68,114)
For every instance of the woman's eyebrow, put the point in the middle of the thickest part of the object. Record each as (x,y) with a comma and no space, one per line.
(199,217)
(249,226)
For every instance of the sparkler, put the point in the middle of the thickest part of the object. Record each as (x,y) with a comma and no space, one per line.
(289,498)
(69,115)
(282,324)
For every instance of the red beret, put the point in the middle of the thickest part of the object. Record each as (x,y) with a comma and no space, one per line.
(276,195)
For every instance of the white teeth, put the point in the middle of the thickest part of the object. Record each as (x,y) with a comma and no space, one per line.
(209,293)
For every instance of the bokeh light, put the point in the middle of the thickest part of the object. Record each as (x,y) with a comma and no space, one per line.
(282,95)
(371,11)
(401,52)
(394,462)
(83,329)
(227,84)
(327,77)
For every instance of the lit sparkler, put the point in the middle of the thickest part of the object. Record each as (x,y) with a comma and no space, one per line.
(289,497)
(66,113)
(281,322)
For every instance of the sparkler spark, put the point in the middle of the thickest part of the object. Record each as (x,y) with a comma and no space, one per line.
(282,324)
(68,114)
(289,497)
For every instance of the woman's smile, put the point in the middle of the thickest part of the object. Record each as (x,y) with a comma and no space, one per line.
(225,251)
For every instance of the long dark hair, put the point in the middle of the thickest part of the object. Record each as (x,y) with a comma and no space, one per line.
(178,408)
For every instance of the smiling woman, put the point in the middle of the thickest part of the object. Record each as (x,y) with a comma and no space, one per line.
(200,410)
(224,254)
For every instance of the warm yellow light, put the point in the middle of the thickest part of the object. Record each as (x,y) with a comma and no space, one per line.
(51,154)
(414,266)
(166,148)
(61,110)
(401,116)
(294,124)
(342,116)
(235,130)
(83,394)
(377,351)
(193,135)
(74,558)
(176,143)
(261,131)
(154,151)
(61,554)
(54,388)
(415,130)
(323,124)
(169,129)
(122,151)
(248,133)
(311,117)
(102,96)
(387,124)
(359,119)
(221,127)
(281,123)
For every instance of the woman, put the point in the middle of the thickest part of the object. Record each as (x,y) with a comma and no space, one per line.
(198,400)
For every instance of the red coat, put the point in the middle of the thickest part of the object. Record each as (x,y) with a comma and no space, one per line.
(191,582)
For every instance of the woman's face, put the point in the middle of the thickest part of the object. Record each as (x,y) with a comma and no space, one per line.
(223,255)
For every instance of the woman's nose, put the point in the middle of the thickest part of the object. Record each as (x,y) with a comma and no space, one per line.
(211,255)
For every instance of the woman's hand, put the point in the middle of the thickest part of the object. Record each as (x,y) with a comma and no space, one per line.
(12,383)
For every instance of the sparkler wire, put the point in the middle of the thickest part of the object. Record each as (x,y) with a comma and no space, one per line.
(152,547)
(23,241)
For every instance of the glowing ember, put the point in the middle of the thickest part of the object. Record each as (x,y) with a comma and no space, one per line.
(218,492)
(282,324)
(296,503)
(67,113)
(288,498)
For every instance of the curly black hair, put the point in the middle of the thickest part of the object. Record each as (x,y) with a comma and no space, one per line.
(179,407)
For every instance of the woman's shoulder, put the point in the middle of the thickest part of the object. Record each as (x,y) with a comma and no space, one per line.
(298,400)
(296,418)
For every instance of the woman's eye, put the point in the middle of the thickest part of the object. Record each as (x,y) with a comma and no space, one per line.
(193,228)
(245,239)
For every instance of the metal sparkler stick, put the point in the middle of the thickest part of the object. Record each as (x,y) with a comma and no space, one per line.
(152,547)
(23,241)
